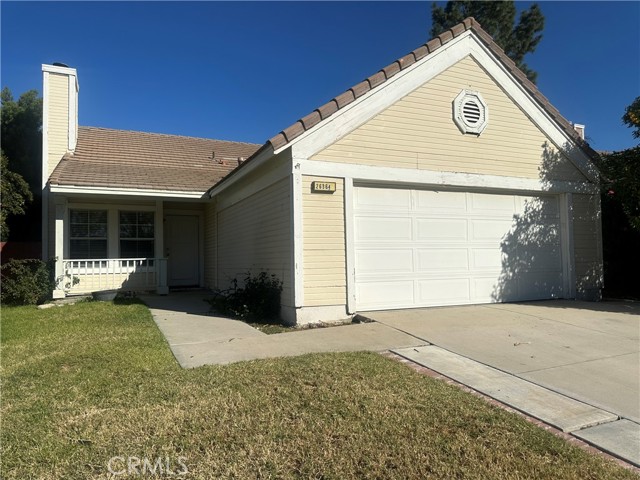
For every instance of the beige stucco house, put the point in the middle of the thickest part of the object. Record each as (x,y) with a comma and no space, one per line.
(444,178)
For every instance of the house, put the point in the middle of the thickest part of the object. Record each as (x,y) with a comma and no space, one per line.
(445,178)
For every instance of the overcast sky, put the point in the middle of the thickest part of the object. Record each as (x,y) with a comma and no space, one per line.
(245,70)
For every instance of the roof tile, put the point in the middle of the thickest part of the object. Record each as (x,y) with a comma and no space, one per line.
(126,159)
(458,29)
(433,44)
(391,69)
(420,52)
(376,79)
(344,98)
(310,120)
(360,89)
(445,36)
(407,60)
(293,131)
(328,109)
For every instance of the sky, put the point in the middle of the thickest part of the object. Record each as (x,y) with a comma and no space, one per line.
(243,71)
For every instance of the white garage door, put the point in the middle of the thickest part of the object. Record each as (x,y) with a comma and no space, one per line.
(417,248)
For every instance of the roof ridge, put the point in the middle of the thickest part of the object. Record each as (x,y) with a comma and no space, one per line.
(87,127)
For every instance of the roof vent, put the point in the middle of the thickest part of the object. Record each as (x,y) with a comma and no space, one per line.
(470,112)
(58,64)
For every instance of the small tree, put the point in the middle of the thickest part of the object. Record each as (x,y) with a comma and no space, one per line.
(497,19)
(15,196)
(21,134)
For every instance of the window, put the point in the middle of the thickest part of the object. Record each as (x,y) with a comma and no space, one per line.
(137,235)
(88,234)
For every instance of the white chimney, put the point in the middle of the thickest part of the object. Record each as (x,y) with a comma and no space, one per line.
(580,129)
(59,115)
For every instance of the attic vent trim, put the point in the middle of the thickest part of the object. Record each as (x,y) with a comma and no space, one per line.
(470,112)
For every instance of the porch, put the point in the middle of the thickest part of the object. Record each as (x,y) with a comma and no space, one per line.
(126,244)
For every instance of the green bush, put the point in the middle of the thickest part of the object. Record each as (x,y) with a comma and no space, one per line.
(27,282)
(258,300)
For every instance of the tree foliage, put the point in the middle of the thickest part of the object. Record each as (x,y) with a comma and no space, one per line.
(621,170)
(15,195)
(21,133)
(498,20)
(631,117)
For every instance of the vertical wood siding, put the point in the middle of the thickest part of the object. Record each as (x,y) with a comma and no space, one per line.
(418,132)
(254,235)
(324,244)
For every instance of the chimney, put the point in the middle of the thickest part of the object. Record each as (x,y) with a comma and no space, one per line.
(580,129)
(59,115)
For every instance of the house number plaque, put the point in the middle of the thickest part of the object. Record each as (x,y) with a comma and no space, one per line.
(323,187)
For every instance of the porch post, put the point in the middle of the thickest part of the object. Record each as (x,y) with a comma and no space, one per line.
(61,208)
(161,263)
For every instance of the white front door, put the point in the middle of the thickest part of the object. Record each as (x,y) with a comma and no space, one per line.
(182,250)
(418,248)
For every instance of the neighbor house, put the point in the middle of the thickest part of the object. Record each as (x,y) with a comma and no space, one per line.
(445,178)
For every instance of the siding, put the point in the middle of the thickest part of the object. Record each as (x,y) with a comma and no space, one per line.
(324,244)
(418,132)
(58,119)
(210,246)
(587,246)
(254,234)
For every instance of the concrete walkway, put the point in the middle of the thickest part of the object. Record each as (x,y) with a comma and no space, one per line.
(198,338)
(476,346)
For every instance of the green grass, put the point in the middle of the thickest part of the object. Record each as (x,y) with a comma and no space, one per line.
(87,382)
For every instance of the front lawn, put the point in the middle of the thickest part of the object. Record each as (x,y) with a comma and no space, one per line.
(90,386)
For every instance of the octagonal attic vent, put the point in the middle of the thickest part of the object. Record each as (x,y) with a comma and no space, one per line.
(470,112)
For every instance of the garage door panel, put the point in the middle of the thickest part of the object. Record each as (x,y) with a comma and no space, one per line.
(442,259)
(540,206)
(386,294)
(465,248)
(384,260)
(380,199)
(432,201)
(491,288)
(383,228)
(441,229)
(483,230)
(484,202)
(486,257)
(443,291)
(537,257)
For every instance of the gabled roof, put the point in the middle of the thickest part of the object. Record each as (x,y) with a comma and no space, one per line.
(379,78)
(127,159)
(374,81)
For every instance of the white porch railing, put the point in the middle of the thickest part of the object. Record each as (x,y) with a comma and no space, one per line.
(126,274)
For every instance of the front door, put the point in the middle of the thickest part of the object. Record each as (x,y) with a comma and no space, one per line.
(182,250)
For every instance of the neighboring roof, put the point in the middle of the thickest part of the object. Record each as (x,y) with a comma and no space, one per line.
(374,81)
(126,159)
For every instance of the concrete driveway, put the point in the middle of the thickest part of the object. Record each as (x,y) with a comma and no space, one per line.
(588,351)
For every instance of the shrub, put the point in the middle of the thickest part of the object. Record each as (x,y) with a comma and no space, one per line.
(27,282)
(257,300)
